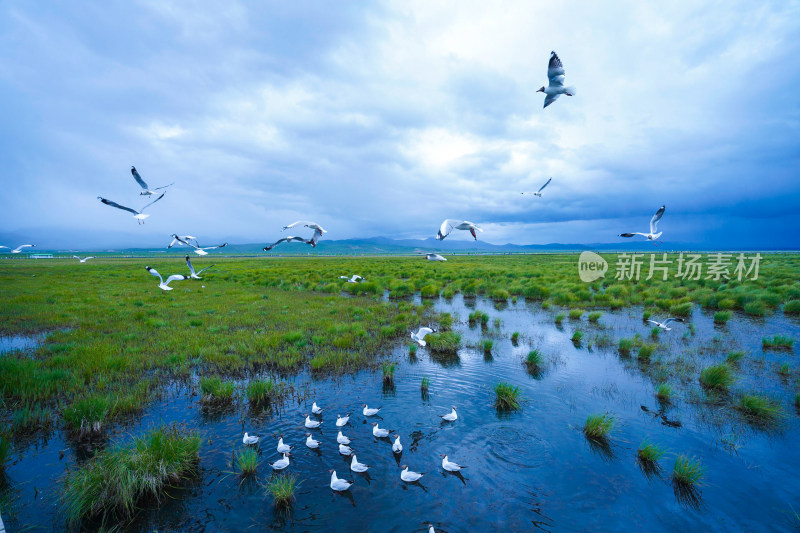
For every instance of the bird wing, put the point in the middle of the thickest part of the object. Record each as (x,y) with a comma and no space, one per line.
(293,224)
(154,201)
(550,99)
(632,234)
(212,247)
(555,71)
(545,184)
(175,277)
(164,186)
(115,204)
(154,272)
(138,178)
(656,218)
(204,269)
(189,264)
(667,321)
(654,322)
(313,240)
(176,238)
(446,227)
(285,239)
(76,257)
(315,226)
(423,331)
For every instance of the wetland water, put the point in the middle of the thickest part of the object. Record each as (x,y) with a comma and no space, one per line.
(528,470)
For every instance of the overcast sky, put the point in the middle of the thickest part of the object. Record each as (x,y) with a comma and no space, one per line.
(383,118)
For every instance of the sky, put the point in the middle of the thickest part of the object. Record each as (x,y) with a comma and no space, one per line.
(384,118)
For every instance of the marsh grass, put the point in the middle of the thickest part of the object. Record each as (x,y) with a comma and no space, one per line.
(486,345)
(534,361)
(506,397)
(447,342)
(655,332)
(682,310)
(664,392)
(760,409)
(722,317)
(576,314)
(577,337)
(599,426)
(688,471)
(216,391)
(785,370)
(734,358)
(559,318)
(412,349)
(282,488)
(425,384)
(109,486)
(778,342)
(388,369)
(646,353)
(648,456)
(594,316)
(5,451)
(717,377)
(247,461)
(792,307)
(263,392)
(515,338)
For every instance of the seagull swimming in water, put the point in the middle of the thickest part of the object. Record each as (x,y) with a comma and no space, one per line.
(396,446)
(192,273)
(138,215)
(449,225)
(283,448)
(434,257)
(339,484)
(355,466)
(555,87)
(380,433)
(369,411)
(342,420)
(316,409)
(311,442)
(539,192)
(249,439)
(312,424)
(84,259)
(342,439)
(409,475)
(19,248)
(452,416)
(146,191)
(344,449)
(450,466)
(280,464)
(164,285)
(663,325)
(419,336)
(652,236)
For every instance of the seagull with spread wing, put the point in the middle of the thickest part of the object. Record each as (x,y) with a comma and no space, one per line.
(182,240)
(138,215)
(434,257)
(539,192)
(555,87)
(306,223)
(192,273)
(164,285)
(652,236)
(290,238)
(19,248)
(199,250)
(146,191)
(84,259)
(450,224)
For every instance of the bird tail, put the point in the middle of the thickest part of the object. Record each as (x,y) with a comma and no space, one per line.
(421,342)
(570,91)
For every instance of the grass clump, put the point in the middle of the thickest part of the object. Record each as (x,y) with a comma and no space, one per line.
(560,318)
(506,397)
(425,384)
(515,338)
(760,408)
(412,349)
(717,377)
(282,489)
(648,454)
(785,370)
(646,352)
(247,461)
(733,358)
(682,310)
(109,486)
(575,314)
(214,390)
(792,307)
(664,392)
(777,342)
(487,344)
(388,370)
(534,361)
(446,342)
(756,308)
(687,471)
(594,316)
(500,295)
(262,392)
(625,346)
(598,427)
(577,337)
(87,415)
(722,317)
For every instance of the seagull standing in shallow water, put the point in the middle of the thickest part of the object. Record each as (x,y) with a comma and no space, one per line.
(555,76)
(652,236)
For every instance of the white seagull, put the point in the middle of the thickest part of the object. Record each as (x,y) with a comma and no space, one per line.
(146,190)
(434,257)
(199,250)
(312,424)
(342,439)
(342,420)
(450,466)
(164,285)
(652,236)
(291,238)
(138,215)
(419,336)
(84,259)
(283,448)
(311,442)
(555,87)
(315,238)
(369,411)
(249,439)
(306,223)
(409,475)
(380,433)
(182,240)
(449,225)
(539,192)
(355,279)
(19,248)
(355,466)
(344,449)
(396,446)
(192,273)
(663,325)
(339,484)
(280,464)
(452,416)
(315,409)
(430,529)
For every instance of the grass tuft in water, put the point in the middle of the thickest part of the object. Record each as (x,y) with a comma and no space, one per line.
(487,344)
(263,392)
(447,342)
(778,342)
(646,352)
(687,471)
(648,455)
(594,316)
(717,377)
(412,349)
(733,358)
(247,461)
(760,408)
(598,427)
(282,489)
(109,486)
(214,390)
(534,361)
(722,317)
(515,338)
(388,370)
(506,397)
(425,384)
(577,337)
(792,307)
(664,392)
(785,370)
(560,318)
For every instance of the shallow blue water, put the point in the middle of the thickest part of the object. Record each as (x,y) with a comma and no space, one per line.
(528,470)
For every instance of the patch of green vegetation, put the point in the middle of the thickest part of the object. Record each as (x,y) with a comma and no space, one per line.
(412,349)
(646,352)
(109,486)
(534,361)
(785,370)
(599,426)
(778,342)
(5,451)
(682,309)
(755,308)
(560,318)
(733,358)
(388,369)
(515,338)
(500,295)
(425,384)
(760,408)
(247,461)
(625,346)
(282,489)
(577,336)
(722,317)
(215,390)
(664,392)
(506,397)
(687,471)
(594,316)
(487,344)
(446,342)
(792,307)
(263,392)
(717,377)
(649,453)
(576,314)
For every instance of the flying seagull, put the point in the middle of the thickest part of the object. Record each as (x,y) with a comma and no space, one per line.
(663,325)
(652,236)
(449,225)
(539,192)
(306,223)
(164,285)
(19,248)
(182,240)
(555,87)
(199,250)
(84,259)
(193,274)
(419,336)
(355,279)
(291,238)
(313,240)
(146,190)
(434,257)
(138,215)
